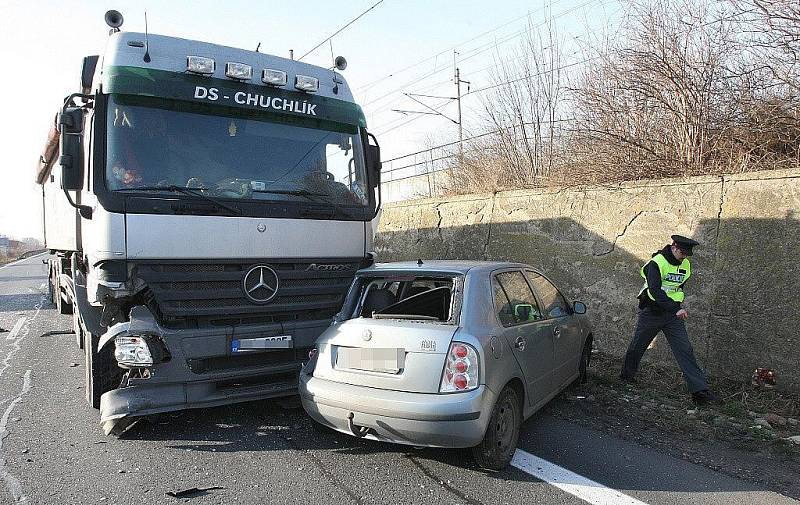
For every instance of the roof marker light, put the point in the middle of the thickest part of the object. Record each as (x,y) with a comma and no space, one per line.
(306,83)
(238,71)
(274,77)
(200,65)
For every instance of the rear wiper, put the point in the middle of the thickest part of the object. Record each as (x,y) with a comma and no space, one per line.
(320,197)
(187,191)
(382,315)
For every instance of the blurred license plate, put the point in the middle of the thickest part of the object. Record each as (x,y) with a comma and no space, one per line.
(372,360)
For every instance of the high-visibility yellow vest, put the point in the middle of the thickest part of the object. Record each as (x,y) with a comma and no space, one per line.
(672,276)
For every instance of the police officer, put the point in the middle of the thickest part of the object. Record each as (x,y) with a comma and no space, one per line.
(660,310)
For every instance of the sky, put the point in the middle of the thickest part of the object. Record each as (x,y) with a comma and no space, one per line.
(399,46)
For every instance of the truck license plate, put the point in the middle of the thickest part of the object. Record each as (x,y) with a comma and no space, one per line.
(262,343)
(371,360)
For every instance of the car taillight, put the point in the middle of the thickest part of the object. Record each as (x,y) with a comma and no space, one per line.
(460,369)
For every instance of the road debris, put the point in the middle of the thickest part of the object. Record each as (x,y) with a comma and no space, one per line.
(764,377)
(775,419)
(193,492)
(56,332)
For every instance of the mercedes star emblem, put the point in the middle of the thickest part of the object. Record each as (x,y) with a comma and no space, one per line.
(367,335)
(261,227)
(260,284)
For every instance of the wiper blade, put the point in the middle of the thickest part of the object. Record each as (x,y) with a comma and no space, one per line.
(187,191)
(298,192)
(309,195)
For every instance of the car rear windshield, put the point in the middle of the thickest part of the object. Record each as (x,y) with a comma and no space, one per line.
(409,297)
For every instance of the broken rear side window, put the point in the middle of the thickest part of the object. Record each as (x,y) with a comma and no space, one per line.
(418,298)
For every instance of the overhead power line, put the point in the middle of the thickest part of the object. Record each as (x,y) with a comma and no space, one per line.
(448,50)
(476,51)
(448,144)
(512,81)
(337,32)
(486,88)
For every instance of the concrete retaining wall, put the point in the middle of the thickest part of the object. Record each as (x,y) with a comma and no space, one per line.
(744,296)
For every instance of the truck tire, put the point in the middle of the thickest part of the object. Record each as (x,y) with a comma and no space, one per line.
(77,328)
(102,372)
(51,291)
(62,306)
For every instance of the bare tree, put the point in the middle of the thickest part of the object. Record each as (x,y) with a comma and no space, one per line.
(685,87)
(525,106)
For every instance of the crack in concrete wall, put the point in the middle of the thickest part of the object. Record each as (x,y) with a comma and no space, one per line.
(620,235)
(489,227)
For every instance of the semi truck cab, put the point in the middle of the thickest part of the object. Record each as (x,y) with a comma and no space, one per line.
(208,211)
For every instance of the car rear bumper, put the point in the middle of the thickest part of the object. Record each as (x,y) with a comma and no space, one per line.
(421,419)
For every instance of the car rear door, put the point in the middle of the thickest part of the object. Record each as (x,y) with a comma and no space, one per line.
(525,331)
(566,331)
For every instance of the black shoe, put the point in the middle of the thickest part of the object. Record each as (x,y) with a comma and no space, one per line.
(705,397)
(628,379)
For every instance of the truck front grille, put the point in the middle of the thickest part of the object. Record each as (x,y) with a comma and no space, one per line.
(208,292)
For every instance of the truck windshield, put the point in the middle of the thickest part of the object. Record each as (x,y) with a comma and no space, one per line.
(231,153)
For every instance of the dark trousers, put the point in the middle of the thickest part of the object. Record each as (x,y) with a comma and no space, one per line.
(647,327)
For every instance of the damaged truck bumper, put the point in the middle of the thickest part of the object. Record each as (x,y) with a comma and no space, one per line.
(204,367)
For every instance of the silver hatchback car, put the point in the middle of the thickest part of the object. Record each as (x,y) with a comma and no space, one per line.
(446,354)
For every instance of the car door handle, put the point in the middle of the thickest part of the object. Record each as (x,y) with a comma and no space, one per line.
(557,332)
(520,343)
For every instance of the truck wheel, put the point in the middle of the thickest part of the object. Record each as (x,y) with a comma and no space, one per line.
(500,441)
(102,372)
(62,306)
(77,329)
(50,288)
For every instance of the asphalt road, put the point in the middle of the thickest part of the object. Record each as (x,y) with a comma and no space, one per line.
(53,451)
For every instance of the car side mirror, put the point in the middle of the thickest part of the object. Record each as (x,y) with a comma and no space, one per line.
(71,125)
(579,308)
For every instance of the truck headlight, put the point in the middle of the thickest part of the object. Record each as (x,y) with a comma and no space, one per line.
(132,352)
(306,83)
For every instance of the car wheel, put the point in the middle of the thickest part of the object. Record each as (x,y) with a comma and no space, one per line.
(583,370)
(500,441)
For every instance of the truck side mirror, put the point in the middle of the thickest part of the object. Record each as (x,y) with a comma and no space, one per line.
(579,308)
(374,161)
(71,125)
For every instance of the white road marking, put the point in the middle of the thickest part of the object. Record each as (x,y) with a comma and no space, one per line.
(13,484)
(570,482)
(17,326)
(26,328)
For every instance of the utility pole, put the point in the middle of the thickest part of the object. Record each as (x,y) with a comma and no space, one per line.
(457,80)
